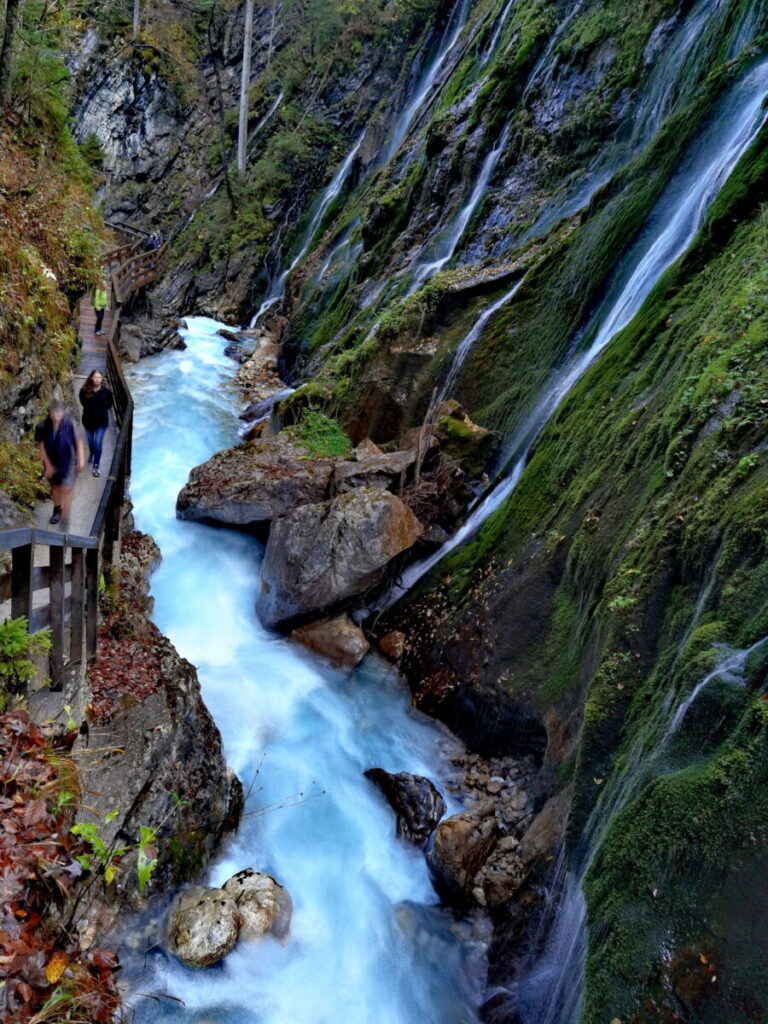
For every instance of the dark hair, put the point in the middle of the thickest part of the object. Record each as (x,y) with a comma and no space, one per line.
(88,387)
(56,405)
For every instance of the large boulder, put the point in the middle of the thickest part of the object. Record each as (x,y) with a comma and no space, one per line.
(462,845)
(254,482)
(203,926)
(321,555)
(339,639)
(263,905)
(372,469)
(414,799)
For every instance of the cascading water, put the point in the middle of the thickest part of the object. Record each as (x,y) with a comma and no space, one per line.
(364,948)
(497,32)
(276,291)
(446,246)
(670,229)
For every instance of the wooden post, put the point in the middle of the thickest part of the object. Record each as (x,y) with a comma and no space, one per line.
(77,608)
(21,582)
(57,616)
(91,600)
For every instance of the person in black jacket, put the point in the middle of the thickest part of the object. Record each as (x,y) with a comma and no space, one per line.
(62,453)
(96,399)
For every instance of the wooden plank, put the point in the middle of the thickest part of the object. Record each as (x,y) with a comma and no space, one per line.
(91,601)
(57,617)
(22,560)
(41,577)
(77,607)
(5,587)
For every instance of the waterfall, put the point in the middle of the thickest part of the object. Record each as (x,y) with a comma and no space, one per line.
(276,291)
(730,667)
(670,229)
(497,32)
(468,341)
(446,246)
(453,30)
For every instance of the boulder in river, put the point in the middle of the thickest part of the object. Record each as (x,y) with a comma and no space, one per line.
(414,799)
(339,639)
(253,483)
(321,555)
(263,905)
(462,845)
(203,926)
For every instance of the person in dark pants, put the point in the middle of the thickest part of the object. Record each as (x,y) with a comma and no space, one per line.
(96,399)
(99,305)
(62,453)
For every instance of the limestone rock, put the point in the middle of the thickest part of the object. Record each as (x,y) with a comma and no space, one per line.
(322,555)
(393,644)
(414,799)
(339,639)
(462,844)
(263,905)
(254,482)
(372,470)
(203,926)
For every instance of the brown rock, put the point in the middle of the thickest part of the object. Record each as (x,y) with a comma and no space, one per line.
(393,644)
(319,556)
(263,905)
(414,799)
(254,482)
(203,926)
(339,639)
(462,845)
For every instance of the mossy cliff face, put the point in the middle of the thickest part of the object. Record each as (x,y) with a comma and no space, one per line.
(588,606)
(164,110)
(49,241)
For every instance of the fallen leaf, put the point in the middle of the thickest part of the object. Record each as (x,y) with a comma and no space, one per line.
(56,966)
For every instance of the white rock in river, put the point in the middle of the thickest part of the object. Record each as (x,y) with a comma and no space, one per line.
(203,926)
(263,905)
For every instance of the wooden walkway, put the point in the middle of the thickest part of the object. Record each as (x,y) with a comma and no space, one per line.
(94,351)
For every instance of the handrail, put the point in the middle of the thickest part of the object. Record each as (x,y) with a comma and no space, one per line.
(79,608)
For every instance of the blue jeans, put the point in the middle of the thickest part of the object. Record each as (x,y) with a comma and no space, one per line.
(95,441)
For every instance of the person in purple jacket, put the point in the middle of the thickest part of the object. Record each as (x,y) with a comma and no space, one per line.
(62,453)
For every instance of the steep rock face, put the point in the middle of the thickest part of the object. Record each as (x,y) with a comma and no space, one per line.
(159,761)
(322,555)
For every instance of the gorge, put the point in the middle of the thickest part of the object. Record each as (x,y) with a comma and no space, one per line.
(495,273)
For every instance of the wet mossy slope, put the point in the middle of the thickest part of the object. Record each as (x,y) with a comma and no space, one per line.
(629,561)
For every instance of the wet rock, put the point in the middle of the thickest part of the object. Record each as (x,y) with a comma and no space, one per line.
(461,846)
(473,446)
(237,353)
(254,482)
(131,342)
(339,639)
(319,556)
(373,470)
(203,926)
(393,644)
(263,905)
(414,799)
(495,785)
(228,335)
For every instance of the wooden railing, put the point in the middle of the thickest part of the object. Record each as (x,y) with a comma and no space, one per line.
(63,594)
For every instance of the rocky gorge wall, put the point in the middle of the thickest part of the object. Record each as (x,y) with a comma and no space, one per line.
(576,625)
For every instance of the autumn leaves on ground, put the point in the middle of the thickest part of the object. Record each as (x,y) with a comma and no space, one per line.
(44,975)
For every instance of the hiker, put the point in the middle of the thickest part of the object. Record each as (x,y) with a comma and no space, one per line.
(96,400)
(62,453)
(99,305)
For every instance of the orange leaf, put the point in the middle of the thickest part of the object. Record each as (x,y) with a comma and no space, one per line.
(56,966)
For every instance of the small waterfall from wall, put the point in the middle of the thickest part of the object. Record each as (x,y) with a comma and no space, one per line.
(670,229)
(276,291)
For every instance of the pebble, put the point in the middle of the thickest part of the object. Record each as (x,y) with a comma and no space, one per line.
(495,784)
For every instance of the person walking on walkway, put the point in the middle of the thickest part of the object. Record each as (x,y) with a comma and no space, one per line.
(62,453)
(99,305)
(96,399)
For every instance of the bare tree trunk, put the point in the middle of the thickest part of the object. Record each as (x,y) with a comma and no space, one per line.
(12,17)
(272,36)
(136,13)
(245,81)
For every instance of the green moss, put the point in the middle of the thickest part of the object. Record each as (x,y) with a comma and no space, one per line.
(321,435)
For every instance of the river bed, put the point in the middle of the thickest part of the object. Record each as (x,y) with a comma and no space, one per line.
(368,942)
